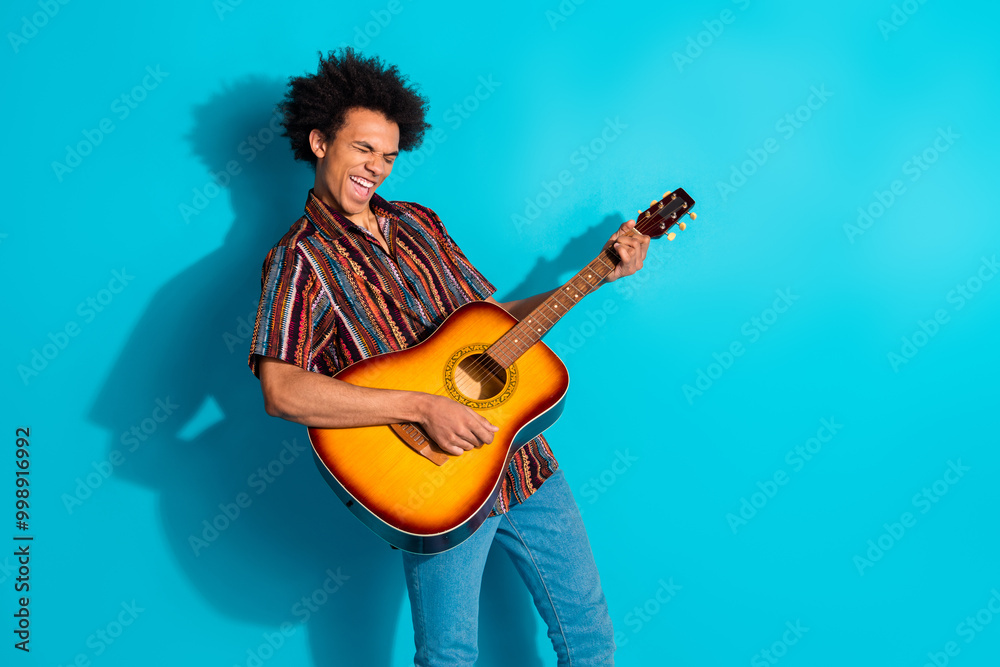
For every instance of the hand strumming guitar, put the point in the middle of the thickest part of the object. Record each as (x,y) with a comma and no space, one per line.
(456,428)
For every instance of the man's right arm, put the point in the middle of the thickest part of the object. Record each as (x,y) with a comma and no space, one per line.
(315,400)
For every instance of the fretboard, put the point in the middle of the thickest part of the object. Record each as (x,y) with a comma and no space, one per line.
(537,323)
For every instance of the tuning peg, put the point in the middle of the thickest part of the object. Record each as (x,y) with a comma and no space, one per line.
(671,236)
(639,212)
(694,216)
(682,226)
(653,203)
(666,194)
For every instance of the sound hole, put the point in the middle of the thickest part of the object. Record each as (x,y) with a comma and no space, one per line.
(479,377)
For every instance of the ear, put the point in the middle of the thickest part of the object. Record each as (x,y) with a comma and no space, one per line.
(317,142)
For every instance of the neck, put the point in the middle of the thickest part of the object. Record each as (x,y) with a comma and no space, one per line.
(365,218)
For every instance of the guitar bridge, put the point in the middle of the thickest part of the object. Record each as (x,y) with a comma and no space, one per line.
(418,440)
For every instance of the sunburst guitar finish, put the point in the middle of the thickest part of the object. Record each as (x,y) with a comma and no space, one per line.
(406,498)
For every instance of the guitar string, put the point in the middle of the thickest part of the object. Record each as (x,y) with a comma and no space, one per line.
(484,361)
(538,311)
(479,370)
(481,365)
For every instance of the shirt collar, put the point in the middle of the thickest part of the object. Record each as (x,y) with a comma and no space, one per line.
(335,224)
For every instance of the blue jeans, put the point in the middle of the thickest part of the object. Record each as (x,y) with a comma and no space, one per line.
(545,538)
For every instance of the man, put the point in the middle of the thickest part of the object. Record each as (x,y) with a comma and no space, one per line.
(357,276)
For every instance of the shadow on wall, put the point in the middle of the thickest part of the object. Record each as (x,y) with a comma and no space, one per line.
(249,518)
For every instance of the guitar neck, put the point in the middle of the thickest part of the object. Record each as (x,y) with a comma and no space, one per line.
(538,322)
(654,222)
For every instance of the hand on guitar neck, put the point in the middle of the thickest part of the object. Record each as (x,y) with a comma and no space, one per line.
(631,245)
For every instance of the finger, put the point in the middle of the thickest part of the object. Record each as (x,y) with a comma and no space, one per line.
(466,439)
(631,258)
(461,447)
(641,241)
(634,246)
(485,431)
(478,419)
(633,243)
(623,230)
(450,449)
(481,428)
(458,440)
(624,250)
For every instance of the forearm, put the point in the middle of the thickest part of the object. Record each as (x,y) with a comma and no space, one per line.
(324,402)
(319,401)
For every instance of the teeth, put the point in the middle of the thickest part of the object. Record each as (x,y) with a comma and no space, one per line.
(362,182)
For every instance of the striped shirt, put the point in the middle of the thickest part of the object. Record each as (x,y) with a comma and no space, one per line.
(331,296)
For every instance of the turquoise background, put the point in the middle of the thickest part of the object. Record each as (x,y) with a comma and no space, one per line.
(660,472)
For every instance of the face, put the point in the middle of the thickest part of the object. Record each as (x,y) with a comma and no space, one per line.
(349,168)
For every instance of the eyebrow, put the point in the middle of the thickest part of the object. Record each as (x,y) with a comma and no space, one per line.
(365,144)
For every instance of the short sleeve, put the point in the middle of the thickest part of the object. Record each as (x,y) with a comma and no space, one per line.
(283,329)
(469,275)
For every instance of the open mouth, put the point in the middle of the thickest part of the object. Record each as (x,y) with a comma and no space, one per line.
(362,186)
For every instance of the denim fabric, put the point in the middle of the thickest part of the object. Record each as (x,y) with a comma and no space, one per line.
(545,539)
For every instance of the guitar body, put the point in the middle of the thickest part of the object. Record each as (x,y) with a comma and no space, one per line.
(404,496)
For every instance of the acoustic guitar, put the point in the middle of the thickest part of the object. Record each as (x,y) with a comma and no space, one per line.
(400,483)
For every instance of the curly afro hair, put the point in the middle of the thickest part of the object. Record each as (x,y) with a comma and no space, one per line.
(346,81)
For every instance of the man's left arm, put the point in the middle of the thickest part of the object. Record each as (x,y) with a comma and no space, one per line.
(631,248)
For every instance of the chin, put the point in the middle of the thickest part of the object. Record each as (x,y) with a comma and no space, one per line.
(357,206)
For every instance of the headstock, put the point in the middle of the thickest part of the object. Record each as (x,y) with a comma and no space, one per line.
(657,220)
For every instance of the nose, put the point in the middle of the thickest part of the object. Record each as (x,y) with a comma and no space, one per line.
(375,163)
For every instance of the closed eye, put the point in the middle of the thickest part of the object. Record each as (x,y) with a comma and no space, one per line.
(368,150)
